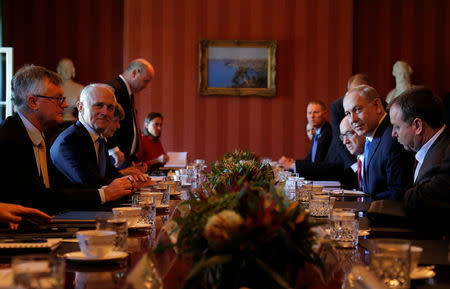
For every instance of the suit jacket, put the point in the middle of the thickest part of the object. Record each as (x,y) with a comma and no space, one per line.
(20,181)
(432,186)
(73,154)
(338,152)
(123,138)
(323,143)
(389,166)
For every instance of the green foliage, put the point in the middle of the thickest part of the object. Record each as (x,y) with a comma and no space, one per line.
(266,249)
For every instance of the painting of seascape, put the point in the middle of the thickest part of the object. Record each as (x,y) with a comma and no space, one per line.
(238,67)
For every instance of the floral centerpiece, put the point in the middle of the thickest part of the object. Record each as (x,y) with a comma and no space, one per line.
(242,232)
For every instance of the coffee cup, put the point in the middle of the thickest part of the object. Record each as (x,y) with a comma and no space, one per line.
(96,243)
(131,213)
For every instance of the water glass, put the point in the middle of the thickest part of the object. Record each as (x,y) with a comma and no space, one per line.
(319,205)
(147,203)
(389,261)
(344,227)
(38,271)
(118,225)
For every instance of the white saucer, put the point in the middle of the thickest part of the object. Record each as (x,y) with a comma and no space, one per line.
(139,226)
(422,273)
(80,257)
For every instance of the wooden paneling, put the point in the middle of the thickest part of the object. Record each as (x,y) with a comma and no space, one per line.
(415,31)
(90,32)
(314,61)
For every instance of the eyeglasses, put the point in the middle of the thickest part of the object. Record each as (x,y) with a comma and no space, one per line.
(348,134)
(59,99)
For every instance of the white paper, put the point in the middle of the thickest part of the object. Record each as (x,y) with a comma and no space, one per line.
(176,160)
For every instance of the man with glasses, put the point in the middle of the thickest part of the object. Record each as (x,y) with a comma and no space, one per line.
(355,146)
(27,176)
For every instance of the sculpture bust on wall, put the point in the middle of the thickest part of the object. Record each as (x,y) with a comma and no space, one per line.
(402,73)
(72,89)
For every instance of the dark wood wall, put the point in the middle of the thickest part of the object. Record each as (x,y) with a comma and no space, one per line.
(320,44)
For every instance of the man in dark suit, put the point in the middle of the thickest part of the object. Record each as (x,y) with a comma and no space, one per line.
(79,152)
(386,173)
(27,177)
(316,112)
(125,143)
(338,151)
(418,124)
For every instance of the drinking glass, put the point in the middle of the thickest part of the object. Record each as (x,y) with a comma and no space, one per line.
(344,227)
(118,225)
(390,262)
(38,271)
(319,205)
(147,203)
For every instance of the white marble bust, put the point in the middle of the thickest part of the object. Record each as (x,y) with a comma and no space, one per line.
(402,73)
(72,89)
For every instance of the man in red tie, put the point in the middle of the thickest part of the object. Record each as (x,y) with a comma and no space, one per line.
(354,144)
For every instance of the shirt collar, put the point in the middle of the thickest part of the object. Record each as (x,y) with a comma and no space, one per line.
(370,138)
(91,131)
(34,134)
(126,84)
(420,155)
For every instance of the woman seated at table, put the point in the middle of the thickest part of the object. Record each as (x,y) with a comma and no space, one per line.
(151,151)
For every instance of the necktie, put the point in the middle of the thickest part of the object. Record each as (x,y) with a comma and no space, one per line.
(43,163)
(102,156)
(366,155)
(314,147)
(359,172)
(136,135)
(366,163)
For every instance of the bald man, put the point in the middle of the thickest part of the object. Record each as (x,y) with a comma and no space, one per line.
(80,153)
(125,143)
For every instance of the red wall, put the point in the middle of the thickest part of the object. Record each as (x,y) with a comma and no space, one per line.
(90,32)
(314,60)
(415,31)
(320,44)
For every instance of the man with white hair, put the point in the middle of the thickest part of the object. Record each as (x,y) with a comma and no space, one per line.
(27,177)
(80,153)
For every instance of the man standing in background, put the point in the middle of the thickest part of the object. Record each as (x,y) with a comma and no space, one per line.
(124,145)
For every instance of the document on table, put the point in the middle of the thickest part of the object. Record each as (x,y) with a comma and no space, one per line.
(176,160)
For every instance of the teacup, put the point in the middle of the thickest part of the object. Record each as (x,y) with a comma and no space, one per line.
(131,213)
(96,243)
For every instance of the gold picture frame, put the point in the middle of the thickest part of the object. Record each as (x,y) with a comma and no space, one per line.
(237,67)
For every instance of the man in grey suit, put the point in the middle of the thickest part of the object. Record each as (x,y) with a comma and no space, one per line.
(418,124)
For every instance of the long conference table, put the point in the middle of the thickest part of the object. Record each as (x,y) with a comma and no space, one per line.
(173,270)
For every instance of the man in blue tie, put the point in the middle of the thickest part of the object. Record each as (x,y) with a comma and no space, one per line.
(386,170)
(316,113)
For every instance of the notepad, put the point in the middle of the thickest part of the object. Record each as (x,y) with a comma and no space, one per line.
(52,243)
(176,160)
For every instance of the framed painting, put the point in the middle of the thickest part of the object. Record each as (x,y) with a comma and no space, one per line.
(237,67)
